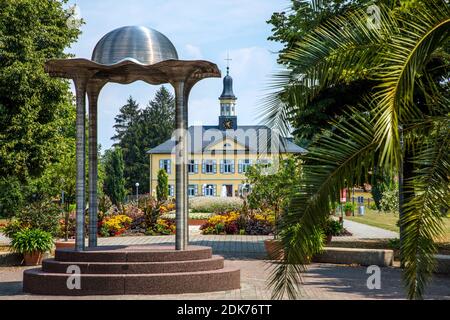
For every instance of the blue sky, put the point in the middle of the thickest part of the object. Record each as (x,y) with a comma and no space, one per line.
(199,29)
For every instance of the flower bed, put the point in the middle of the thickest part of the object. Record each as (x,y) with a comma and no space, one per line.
(114,225)
(261,223)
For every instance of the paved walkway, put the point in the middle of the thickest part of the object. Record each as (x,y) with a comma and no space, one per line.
(323,281)
(230,246)
(364,231)
(236,246)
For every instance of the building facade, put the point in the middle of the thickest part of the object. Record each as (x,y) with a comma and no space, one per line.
(219,155)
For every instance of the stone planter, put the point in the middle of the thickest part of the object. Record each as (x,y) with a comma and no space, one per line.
(61,244)
(328,238)
(348,213)
(33,258)
(274,249)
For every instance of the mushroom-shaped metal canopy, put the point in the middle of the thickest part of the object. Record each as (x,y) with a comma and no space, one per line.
(134,43)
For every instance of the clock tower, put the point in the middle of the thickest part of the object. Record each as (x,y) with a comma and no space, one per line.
(228,118)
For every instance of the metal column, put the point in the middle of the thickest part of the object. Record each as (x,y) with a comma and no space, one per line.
(181,238)
(80,87)
(93,91)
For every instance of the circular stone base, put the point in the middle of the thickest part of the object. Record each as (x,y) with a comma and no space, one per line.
(120,270)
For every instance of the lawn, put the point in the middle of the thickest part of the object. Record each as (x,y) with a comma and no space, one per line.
(388,221)
(384,220)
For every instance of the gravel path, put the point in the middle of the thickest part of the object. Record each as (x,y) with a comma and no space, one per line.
(363,231)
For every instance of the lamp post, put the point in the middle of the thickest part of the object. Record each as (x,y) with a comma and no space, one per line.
(137,192)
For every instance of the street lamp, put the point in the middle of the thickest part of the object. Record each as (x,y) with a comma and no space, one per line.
(137,191)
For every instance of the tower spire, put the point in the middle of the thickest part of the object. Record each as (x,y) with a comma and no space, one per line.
(228,63)
(228,119)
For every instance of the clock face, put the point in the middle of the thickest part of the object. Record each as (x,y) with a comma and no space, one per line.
(228,124)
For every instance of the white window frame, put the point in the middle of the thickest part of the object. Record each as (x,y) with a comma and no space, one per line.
(166,164)
(244,164)
(192,190)
(194,165)
(210,190)
(213,167)
(227,166)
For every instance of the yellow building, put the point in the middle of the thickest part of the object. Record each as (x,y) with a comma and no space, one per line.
(220,155)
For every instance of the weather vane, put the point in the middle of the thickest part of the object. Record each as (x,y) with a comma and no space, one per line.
(228,59)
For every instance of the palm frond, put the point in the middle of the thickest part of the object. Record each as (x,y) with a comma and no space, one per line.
(422,219)
(421,32)
(323,58)
(334,159)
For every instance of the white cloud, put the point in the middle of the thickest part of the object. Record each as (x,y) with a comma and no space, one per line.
(200,29)
(193,52)
(249,64)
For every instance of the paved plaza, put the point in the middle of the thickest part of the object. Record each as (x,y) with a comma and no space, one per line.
(323,281)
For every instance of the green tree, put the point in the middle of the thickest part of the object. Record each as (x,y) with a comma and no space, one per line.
(162,188)
(114,182)
(289,28)
(32,104)
(407,58)
(129,113)
(273,189)
(37,116)
(11,196)
(144,130)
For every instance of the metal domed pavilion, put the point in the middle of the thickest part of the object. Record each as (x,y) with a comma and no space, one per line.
(125,55)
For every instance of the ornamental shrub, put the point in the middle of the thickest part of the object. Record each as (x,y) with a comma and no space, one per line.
(42,215)
(389,201)
(333,227)
(31,240)
(162,188)
(215,204)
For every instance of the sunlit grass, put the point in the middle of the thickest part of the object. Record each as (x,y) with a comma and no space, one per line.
(388,221)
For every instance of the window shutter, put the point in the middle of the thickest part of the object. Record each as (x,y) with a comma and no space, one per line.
(196,167)
(221,166)
(204,190)
(240,166)
(214,167)
(169,166)
(232,166)
(196,189)
(215,190)
(203,167)
(161,164)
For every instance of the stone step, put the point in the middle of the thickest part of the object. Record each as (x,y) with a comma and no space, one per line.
(37,281)
(137,253)
(363,257)
(213,263)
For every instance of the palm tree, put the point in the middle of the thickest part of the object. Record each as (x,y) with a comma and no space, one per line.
(402,126)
